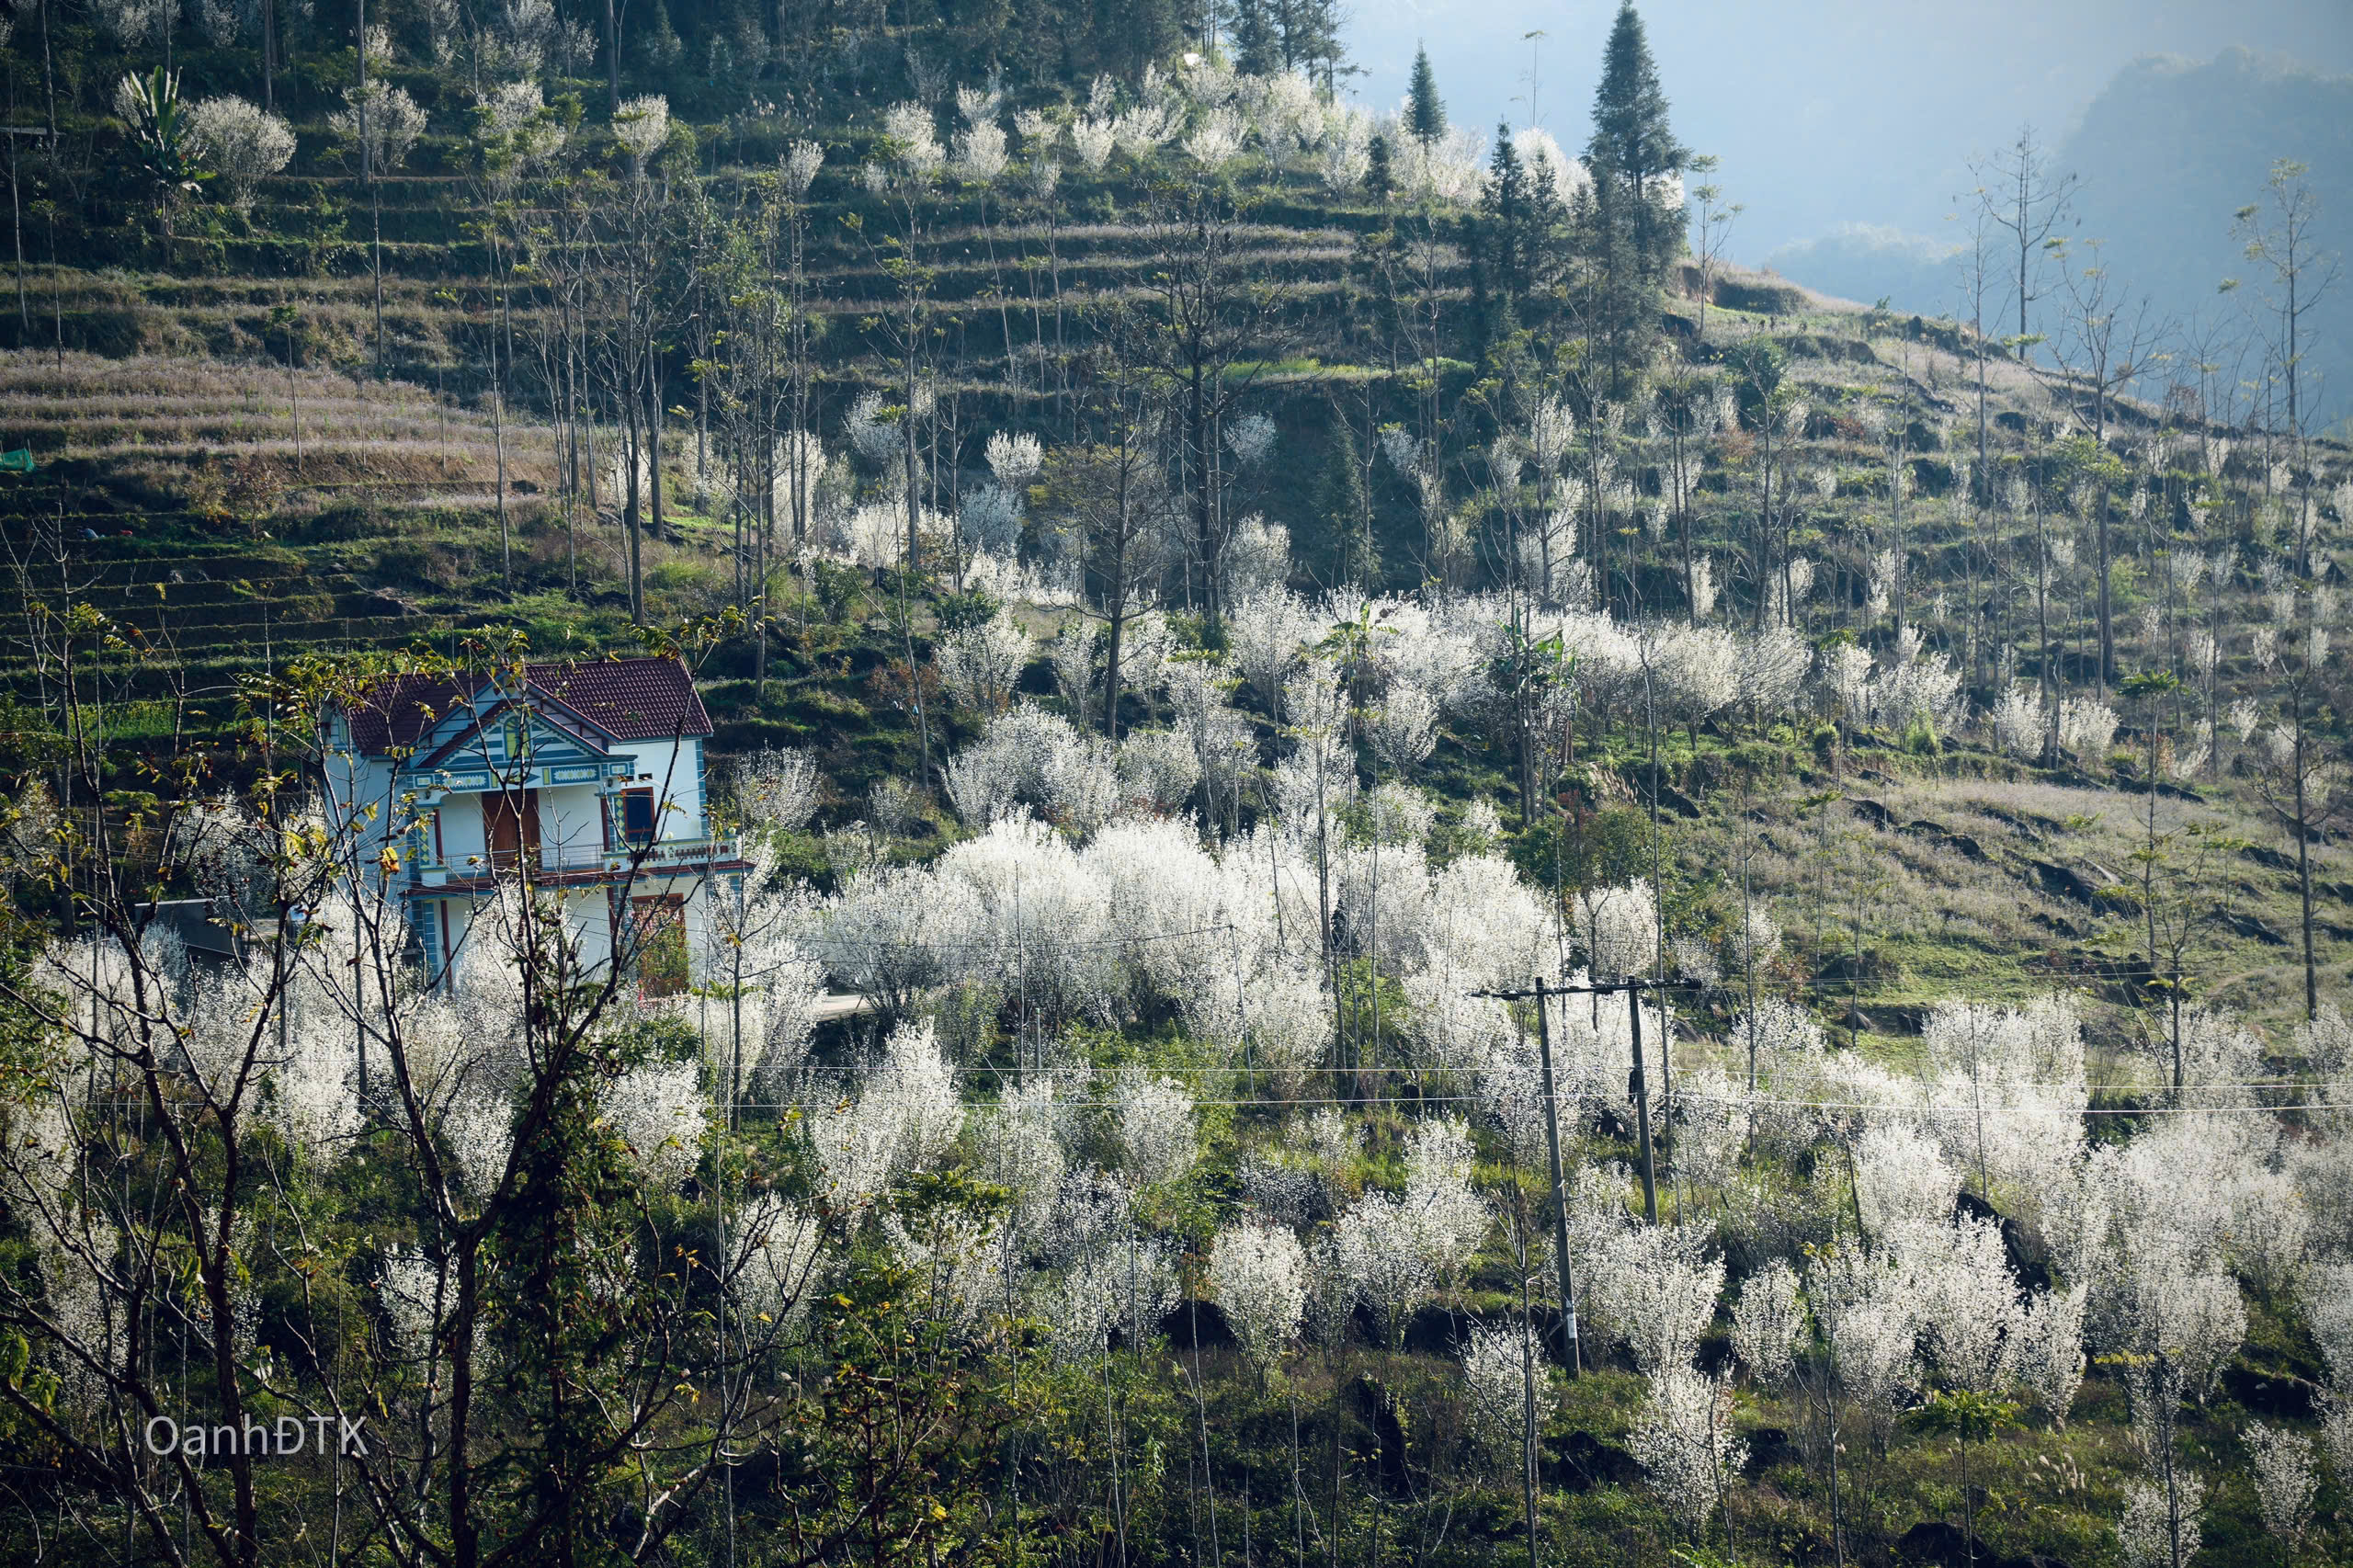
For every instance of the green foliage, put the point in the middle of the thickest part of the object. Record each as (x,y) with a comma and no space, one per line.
(1425,112)
(959,611)
(167,153)
(1631,143)
(1381,175)
(1761,363)
(1343,511)
(1603,849)
(834,587)
(1963,1414)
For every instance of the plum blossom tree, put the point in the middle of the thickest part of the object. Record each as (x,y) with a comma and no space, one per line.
(1439,1196)
(779,1257)
(1379,1250)
(662,1117)
(243,142)
(1655,1289)
(1497,1385)
(1157,1144)
(980,665)
(1258,1276)
(2282,1465)
(1030,758)
(904,1118)
(1618,928)
(1270,634)
(1768,1321)
(776,788)
(1683,1439)
(2159,1527)
(1404,727)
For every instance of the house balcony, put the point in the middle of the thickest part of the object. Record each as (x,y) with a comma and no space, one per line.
(574,865)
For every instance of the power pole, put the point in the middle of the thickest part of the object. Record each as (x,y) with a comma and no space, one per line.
(1640,1085)
(1570,1347)
(1559,1205)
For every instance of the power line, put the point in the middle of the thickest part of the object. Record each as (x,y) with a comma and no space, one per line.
(1481,1101)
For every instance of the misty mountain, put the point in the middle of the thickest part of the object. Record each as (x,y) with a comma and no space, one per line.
(2165,156)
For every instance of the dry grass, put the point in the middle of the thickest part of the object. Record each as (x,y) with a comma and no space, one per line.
(152,416)
(1937,920)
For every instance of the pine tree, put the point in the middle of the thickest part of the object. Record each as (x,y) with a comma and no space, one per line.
(1633,149)
(1381,175)
(1634,233)
(1343,513)
(1310,37)
(1257,47)
(1424,114)
(1504,209)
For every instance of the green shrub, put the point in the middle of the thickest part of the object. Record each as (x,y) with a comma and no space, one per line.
(957,611)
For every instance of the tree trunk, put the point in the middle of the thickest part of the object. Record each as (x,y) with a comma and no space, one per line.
(2304,871)
(1196,439)
(2107,623)
(612,60)
(632,519)
(653,441)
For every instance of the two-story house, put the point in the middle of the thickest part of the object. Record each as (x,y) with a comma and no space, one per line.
(587,780)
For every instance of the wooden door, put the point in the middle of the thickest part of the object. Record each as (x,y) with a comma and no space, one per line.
(658,943)
(510,823)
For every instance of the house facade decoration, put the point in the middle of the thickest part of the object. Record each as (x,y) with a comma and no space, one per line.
(585,780)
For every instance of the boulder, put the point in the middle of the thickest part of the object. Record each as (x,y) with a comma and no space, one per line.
(2060,881)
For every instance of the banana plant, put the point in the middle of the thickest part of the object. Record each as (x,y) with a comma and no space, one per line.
(167,151)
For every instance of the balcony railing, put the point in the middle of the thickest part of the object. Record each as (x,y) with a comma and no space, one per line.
(667,857)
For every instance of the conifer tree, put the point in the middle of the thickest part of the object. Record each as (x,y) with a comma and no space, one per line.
(1517,239)
(1381,174)
(1632,147)
(1310,37)
(1424,114)
(1503,210)
(1258,48)
(1636,231)
(1343,506)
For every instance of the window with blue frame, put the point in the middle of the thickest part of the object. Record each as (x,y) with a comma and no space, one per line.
(637,816)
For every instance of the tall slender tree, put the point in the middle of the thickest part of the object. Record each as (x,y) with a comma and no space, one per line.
(1425,112)
(2279,232)
(2032,203)
(1637,227)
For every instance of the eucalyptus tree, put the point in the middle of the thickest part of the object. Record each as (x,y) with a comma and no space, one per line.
(1112,495)
(1215,323)
(2279,231)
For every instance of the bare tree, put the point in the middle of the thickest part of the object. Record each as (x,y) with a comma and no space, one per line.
(2300,780)
(2279,230)
(1976,292)
(1215,326)
(1713,231)
(2030,200)
(1114,492)
(2108,339)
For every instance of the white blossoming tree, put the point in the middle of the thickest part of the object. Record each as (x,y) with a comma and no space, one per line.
(1258,1276)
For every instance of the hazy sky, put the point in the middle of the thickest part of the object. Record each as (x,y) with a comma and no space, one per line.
(1827,111)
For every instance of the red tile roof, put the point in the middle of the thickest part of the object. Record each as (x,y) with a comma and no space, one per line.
(632,699)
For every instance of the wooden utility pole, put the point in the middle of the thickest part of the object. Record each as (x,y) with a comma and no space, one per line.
(1640,1085)
(1570,1348)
